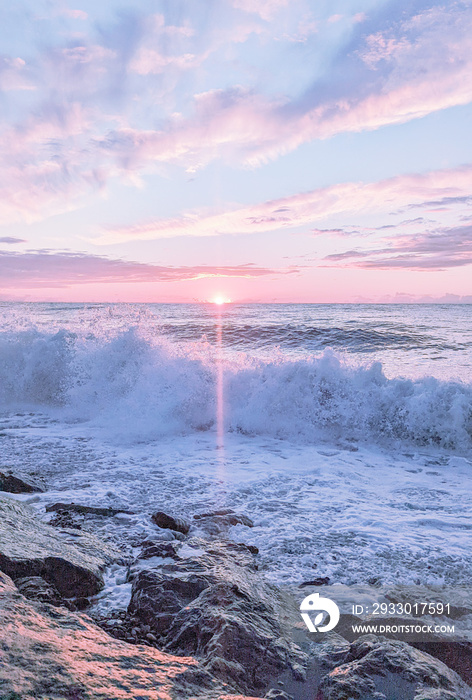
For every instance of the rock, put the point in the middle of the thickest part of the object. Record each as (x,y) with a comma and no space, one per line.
(65,519)
(36,588)
(378,667)
(13,484)
(77,508)
(169,523)
(455,653)
(70,560)
(275,694)
(321,581)
(218,522)
(224,511)
(212,603)
(51,653)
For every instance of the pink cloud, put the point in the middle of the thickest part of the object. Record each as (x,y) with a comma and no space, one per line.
(305,208)
(412,80)
(264,8)
(149,61)
(74,14)
(62,269)
(447,247)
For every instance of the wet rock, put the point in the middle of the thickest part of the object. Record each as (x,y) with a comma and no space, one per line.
(13,484)
(167,522)
(65,519)
(70,560)
(91,510)
(36,588)
(51,652)
(320,581)
(455,653)
(209,600)
(379,667)
(275,694)
(211,514)
(218,522)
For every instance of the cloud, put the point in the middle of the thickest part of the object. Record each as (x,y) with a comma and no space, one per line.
(127,97)
(302,209)
(74,14)
(11,241)
(435,250)
(62,269)
(264,8)
(394,76)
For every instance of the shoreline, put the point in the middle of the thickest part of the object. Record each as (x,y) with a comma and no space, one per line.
(306,666)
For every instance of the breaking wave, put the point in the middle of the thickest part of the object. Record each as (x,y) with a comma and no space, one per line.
(140,389)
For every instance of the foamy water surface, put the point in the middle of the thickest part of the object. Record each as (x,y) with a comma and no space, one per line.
(344,432)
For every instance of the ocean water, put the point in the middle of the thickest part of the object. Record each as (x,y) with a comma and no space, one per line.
(343,431)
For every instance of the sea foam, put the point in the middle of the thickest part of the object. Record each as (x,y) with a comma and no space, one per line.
(139,388)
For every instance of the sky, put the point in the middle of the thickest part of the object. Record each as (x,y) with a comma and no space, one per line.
(250,150)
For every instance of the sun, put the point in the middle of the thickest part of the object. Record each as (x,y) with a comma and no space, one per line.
(219,300)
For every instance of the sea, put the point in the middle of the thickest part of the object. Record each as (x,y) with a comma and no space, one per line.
(343,431)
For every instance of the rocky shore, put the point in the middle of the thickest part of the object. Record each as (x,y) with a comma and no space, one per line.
(202,622)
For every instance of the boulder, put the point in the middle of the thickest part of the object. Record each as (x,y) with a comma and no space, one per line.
(13,484)
(85,510)
(168,522)
(377,667)
(70,560)
(207,599)
(53,654)
(218,522)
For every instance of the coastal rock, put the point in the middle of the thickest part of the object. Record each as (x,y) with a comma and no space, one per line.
(208,600)
(36,588)
(13,484)
(84,510)
(70,560)
(376,667)
(218,522)
(51,653)
(168,522)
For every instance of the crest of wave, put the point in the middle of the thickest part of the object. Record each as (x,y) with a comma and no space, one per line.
(137,387)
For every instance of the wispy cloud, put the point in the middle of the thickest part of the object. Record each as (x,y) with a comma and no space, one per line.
(303,209)
(62,269)
(11,241)
(135,93)
(435,250)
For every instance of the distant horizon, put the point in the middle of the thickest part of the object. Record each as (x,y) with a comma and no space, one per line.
(247,303)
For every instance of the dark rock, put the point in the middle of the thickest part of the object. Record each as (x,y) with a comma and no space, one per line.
(158,549)
(250,547)
(276,694)
(224,511)
(214,604)
(65,519)
(379,667)
(169,523)
(321,581)
(455,653)
(77,508)
(13,484)
(71,560)
(36,588)
(157,598)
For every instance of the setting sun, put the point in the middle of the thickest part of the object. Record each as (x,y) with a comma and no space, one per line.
(219,300)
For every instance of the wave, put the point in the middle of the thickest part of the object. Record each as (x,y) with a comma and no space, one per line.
(310,337)
(140,388)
